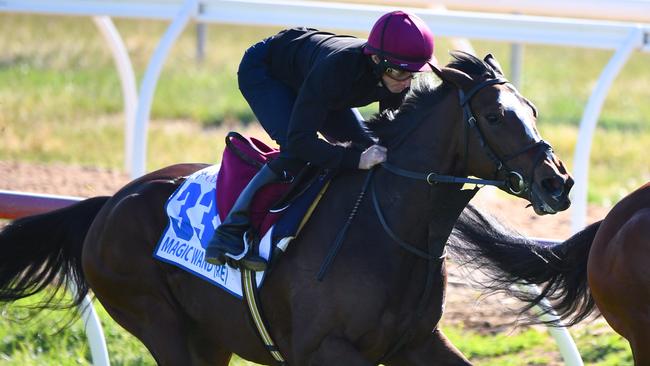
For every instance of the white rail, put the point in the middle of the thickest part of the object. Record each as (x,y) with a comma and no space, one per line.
(127,79)
(622,10)
(565,343)
(93,328)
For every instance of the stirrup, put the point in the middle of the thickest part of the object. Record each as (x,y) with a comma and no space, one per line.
(218,260)
(246,259)
(254,263)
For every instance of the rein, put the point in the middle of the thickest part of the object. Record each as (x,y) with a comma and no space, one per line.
(430,178)
(406,246)
(338,242)
(433,178)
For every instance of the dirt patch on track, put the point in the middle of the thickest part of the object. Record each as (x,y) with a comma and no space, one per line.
(60,179)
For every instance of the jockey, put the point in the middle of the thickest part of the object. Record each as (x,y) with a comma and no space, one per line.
(301,82)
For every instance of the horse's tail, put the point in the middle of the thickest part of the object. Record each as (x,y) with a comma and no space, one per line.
(45,251)
(509,260)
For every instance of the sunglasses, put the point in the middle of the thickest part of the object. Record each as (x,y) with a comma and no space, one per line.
(398,74)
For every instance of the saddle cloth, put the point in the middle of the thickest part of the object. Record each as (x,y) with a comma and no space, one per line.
(199,205)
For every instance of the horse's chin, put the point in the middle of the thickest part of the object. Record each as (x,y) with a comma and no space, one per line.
(546,204)
(541,208)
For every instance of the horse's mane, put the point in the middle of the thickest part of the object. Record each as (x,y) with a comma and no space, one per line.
(471,65)
(391,125)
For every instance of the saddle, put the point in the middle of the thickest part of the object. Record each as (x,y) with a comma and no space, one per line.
(242,159)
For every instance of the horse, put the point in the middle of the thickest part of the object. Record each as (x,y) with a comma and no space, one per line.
(380,302)
(603,267)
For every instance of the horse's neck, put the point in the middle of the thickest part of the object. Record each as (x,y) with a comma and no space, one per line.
(435,144)
(410,204)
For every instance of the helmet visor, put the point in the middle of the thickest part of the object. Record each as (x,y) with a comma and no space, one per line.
(412,66)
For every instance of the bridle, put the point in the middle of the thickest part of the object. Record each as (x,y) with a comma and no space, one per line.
(518,186)
(512,180)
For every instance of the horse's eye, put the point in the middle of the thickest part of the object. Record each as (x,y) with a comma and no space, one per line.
(492,119)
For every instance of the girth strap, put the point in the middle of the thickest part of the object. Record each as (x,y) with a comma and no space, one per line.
(255,311)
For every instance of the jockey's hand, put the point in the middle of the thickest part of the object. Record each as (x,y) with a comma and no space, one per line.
(375,154)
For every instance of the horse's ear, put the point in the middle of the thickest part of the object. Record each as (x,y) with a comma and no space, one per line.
(456,77)
(490,60)
(436,70)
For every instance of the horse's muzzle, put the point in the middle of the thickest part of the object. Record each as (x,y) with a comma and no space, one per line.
(551,194)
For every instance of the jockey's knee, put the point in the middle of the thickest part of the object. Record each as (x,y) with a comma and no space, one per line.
(283,165)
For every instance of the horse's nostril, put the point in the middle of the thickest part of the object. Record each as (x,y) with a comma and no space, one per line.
(553,186)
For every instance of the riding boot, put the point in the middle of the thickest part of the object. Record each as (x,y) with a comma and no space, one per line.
(228,240)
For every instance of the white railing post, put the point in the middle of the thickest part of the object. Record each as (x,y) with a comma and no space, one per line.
(93,327)
(588,126)
(516,64)
(127,79)
(563,339)
(188,10)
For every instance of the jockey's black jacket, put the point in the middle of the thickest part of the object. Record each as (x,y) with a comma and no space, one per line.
(327,72)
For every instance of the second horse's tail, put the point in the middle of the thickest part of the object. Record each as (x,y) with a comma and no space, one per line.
(44,251)
(508,259)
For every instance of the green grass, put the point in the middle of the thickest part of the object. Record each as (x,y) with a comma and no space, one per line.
(46,340)
(597,344)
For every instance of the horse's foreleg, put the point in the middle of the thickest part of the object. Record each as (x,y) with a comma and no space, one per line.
(434,349)
(639,343)
(336,351)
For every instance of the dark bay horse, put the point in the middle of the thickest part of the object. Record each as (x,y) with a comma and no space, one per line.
(605,267)
(379,303)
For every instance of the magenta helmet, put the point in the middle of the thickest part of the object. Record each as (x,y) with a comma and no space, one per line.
(402,39)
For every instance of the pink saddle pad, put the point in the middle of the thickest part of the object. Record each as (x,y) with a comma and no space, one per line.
(242,158)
